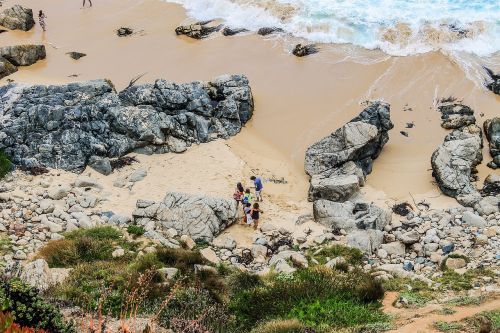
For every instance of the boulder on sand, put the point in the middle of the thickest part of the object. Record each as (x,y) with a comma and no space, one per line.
(23,55)
(492,132)
(64,126)
(6,68)
(456,115)
(197,30)
(454,162)
(304,50)
(268,30)
(17,18)
(358,143)
(200,217)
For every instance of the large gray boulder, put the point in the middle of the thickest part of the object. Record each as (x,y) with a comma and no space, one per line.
(23,55)
(492,132)
(350,216)
(454,162)
(347,153)
(200,217)
(64,126)
(367,241)
(6,67)
(17,18)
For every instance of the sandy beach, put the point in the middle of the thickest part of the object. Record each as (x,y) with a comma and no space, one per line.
(297,101)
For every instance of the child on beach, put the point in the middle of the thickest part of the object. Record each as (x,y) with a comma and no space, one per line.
(238,193)
(258,187)
(90,1)
(247,214)
(247,197)
(255,214)
(41,20)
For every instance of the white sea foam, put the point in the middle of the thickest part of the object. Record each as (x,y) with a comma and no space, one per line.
(398,27)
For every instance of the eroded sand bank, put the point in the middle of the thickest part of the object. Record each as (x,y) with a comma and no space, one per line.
(297,101)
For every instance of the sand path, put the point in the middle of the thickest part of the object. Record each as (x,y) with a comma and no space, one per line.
(422,319)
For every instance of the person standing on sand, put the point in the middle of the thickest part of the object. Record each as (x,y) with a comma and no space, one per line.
(41,20)
(90,1)
(238,193)
(258,187)
(255,215)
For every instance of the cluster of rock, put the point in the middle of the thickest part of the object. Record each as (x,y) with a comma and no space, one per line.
(339,163)
(203,29)
(304,50)
(19,55)
(492,132)
(33,215)
(425,241)
(454,162)
(68,126)
(199,217)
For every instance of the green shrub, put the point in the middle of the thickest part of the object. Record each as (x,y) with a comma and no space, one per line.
(444,326)
(352,256)
(182,259)
(5,164)
(280,326)
(193,304)
(336,312)
(29,309)
(91,283)
(278,295)
(416,298)
(136,230)
(241,280)
(97,233)
(84,245)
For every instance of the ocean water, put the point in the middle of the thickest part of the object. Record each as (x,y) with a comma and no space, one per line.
(398,27)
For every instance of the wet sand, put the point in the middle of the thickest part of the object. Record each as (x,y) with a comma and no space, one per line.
(297,101)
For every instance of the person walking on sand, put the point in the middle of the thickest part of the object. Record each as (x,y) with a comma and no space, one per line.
(41,20)
(238,193)
(258,187)
(90,1)
(255,214)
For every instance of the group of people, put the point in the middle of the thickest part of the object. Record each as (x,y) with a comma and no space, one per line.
(251,209)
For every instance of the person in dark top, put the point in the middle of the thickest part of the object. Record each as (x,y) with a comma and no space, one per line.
(255,215)
(258,187)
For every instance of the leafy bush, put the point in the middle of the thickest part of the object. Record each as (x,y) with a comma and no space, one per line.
(336,312)
(444,326)
(280,326)
(352,256)
(29,309)
(457,282)
(196,307)
(242,280)
(182,259)
(7,325)
(5,164)
(83,245)
(136,230)
(416,298)
(278,295)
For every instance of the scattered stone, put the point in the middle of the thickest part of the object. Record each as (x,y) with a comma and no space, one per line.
(76,55)
(268,30)
(198,30)
(231,32)
(304,50)
(473,220)
(455,263)
(118,253)
(124,31)
(188,242)
(209,255)
(455,115)
(169,273)
(101,165)
(492,132)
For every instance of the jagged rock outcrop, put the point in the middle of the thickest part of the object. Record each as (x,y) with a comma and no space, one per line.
(23,55)
(227,31)
(17,18)
(494,84)
(304,50)
(454,162)
(268,31)
(6,68)
(200,217)
(456,115)
(64,126)
(492,132)
(197,30)
(339,162)
(350,216)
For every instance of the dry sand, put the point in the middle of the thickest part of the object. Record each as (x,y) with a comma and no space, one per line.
(297,101)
